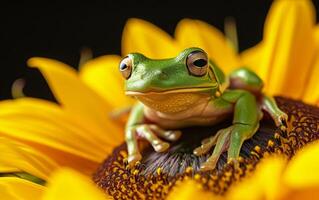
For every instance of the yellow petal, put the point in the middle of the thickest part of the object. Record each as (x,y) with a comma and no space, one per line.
(189,190)
(74,95)
(311,94)
(5,168)
(144,37)
(55,132)
(264,183)
(301,176)
(251,58)
(103,76)
(195,33)
(288,47)
(26,159)
(302,170)
(19,189)
(304,194)
(48,124)
(67,184)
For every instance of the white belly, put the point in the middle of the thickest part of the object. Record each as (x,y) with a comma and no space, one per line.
(201,115)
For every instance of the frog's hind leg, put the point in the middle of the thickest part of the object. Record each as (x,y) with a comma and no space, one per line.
(245,79)
(269,105)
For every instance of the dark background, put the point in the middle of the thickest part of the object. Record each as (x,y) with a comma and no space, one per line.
(60,30)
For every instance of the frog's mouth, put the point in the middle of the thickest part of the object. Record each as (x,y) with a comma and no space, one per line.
(172,91)
(172,101)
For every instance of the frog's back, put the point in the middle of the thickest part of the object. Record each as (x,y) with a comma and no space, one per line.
(244,78)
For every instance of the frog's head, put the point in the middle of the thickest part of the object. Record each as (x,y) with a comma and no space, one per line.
(170,85)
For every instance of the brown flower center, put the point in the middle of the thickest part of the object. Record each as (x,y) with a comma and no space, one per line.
(158,172)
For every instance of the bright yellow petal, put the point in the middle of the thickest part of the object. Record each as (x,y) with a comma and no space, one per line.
(19,189)
(144,37)
(301,177)
(5,168)
(47,124)
(74,95)
(103,76)
(264,183)
(303,169)
(55,132)
(195,33)
(189,190)
(311,94)
(67,185)
(288,47)
(251,58)
(26,159)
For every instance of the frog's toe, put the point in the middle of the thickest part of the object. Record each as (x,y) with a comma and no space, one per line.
(235,162)
(207,144)
(133,159)
(146,132)
(281,119)
(171,135)
(161,147)
(200,151)
(209,165)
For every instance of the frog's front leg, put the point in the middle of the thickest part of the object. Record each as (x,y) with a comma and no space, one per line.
(245,125)
(135,129)
(270,106)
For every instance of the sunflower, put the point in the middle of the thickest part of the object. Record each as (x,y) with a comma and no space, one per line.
(82,131)
(64,184)
(274,178)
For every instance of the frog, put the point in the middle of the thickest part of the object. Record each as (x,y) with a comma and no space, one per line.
(192,90)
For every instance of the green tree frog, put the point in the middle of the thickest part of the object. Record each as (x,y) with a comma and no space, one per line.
(190,90)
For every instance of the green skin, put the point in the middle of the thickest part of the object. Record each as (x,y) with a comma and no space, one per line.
(171,97)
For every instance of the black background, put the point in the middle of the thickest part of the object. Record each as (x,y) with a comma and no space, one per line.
(60,29)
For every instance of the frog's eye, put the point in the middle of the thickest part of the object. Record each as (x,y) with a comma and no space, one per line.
(126,67)
(197,63)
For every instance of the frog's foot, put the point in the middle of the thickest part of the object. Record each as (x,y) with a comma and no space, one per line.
(280,118)
(170,135)
(230,139)
(208,143)
(221,140)
(150,133)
